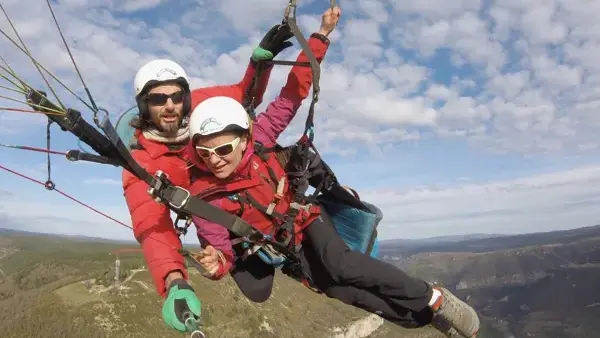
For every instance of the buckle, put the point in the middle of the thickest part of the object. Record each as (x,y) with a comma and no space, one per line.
(156,190)
(179,197)
(184,229)
(163,190)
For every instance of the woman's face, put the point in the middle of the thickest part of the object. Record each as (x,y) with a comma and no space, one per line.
(222,152)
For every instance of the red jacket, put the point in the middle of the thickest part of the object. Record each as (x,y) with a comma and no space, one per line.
(259,193)
(152,224)
(237,91)
(254,177)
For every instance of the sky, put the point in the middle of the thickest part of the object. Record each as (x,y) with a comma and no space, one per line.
(453,117)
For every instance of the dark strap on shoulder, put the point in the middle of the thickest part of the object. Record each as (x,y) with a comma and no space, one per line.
(181,199)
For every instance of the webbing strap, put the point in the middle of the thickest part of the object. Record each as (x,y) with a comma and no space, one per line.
(181,201)
(72,122)
(290,18)
(306,139)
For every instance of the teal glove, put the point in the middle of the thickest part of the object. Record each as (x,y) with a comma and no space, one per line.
(181,310)
(273,43)
(260,54)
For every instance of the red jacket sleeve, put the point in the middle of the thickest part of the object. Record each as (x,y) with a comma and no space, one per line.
(152,225)
(238,90)
(280,113)
(300,78)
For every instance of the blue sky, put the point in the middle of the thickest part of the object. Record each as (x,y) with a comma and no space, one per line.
(453,118)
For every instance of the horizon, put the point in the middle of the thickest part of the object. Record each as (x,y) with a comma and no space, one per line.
(465,237)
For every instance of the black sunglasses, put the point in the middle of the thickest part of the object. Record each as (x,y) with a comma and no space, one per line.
(159,99)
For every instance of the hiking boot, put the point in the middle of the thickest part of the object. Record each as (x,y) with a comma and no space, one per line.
(455,313)
(444,327)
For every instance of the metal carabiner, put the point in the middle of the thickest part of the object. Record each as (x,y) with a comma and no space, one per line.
(192,324)
(290,9)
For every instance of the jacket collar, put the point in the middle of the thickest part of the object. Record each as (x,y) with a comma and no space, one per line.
(157,149)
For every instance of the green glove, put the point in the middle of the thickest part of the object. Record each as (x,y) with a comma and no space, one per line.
(181,310)
(273,43)
(260,54)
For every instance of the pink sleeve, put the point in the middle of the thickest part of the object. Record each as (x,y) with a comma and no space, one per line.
(270,124)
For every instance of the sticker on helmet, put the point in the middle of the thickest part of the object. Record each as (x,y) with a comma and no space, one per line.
(162,72)
(210,125)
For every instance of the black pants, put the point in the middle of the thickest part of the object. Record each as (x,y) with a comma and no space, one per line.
(349,276)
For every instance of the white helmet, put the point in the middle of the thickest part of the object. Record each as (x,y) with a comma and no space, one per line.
(218,114)
(157,71)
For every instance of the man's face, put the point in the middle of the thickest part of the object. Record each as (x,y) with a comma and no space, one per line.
(165,103)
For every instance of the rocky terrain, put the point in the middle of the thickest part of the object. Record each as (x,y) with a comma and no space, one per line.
(535,285)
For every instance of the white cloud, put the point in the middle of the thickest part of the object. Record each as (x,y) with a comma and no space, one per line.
(557,200)
(530,70)
(64,217)
(136,5)
(515,77)
(103,181)
(249,15)
(435,9)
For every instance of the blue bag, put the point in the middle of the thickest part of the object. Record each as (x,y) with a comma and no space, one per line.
(357,227)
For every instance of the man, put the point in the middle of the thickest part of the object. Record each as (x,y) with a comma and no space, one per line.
(161,131)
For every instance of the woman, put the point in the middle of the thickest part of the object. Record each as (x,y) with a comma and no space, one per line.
(232,176)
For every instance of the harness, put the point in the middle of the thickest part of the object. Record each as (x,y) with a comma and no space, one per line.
(283,222)
(294,159)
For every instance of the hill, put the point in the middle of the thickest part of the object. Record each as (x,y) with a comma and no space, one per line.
(484,243)
(52,286)
(532,285)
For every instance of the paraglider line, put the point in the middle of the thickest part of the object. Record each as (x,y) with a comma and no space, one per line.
(66,195)
(12,73)
(72,58)
(19,90)
(35,63)
(40,150)
(82,204)
(11,81)
(27,110)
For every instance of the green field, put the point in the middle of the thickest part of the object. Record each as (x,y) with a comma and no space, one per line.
(51,286)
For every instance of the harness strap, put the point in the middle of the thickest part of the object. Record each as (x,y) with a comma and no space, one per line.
(290,19)
(182,201)
(278,196)
(247,198)
(265,252)
(73,122)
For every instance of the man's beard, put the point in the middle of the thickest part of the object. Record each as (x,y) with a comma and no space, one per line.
(172,127)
